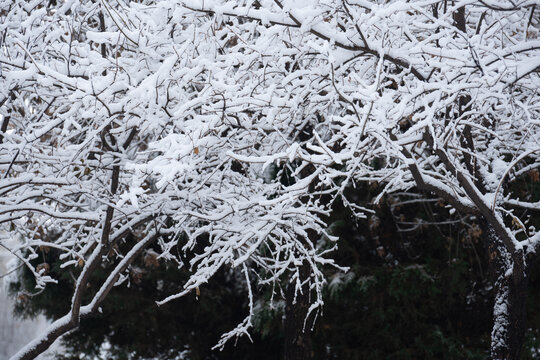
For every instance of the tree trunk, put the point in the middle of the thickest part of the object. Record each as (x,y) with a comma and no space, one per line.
(509,310)
(297,337)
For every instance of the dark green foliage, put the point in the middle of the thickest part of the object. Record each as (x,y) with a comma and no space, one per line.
(406,296)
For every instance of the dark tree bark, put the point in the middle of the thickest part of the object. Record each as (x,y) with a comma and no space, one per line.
(509,310)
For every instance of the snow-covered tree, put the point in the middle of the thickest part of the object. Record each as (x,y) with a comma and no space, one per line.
(441,96)
(434,95)
(444,97)
(118,128)
(244,120)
